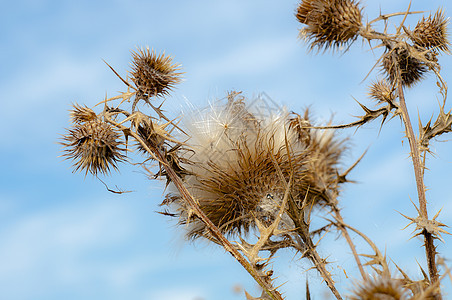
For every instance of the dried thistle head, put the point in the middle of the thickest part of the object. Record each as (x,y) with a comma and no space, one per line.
(411,69)
(330,23)
(80,114)
(325,151)
(94,146)
(431,32)
(154,74)
(236,156)
(381,91)
(151,133)
(380,288)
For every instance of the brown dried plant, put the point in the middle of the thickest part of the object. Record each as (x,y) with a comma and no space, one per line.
(93,145)
(408,56)
(431,32)
(152,74)
(330,23)
(250,176)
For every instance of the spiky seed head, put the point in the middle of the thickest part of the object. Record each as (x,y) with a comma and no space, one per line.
(412,70)
(235,151)
(330,23)
(378,288)
(154,74)
(431,32)
(81,114)
(381,91)
(325,151)
(93,146)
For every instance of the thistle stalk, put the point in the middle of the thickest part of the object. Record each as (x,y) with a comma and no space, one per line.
(311,253)
(430,251)
(347,237)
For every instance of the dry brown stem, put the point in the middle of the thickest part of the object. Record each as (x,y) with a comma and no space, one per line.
(350,243)
(302,228)
(430,249)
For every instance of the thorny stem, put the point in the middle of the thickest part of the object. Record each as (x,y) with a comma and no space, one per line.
(387,16)
(302,227)
(380,258)
(266,286)
(418,172)
(318,262)
(418,165)
(347,237)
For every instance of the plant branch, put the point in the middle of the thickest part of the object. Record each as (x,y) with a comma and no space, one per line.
(347,237)
(418,172)
(302,228)
(314,257)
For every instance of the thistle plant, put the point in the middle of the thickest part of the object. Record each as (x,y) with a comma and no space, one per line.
(250,176)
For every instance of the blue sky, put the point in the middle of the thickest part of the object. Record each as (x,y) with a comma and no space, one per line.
(63,236)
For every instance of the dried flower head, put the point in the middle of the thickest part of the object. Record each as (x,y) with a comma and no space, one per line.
(411,69)
(381,288)
(325,152)
(94,146)
(330,23)
(236,152)
(151,133)
(382,91)
(80,114)
(431,32)
(154,74)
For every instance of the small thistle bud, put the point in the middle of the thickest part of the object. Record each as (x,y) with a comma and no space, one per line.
(152,133)
(411,69)
(330,23)
(382,91)
(94,146)
(154,75)
(381,288)
(431,32)
(80,114)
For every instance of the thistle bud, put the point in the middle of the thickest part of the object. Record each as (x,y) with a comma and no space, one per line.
(411,69)
(381,288)
(381,91)
(431,32)
(154,75)
(94,146)
(80,114)
(330,23)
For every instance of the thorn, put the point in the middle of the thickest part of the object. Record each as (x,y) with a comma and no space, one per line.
(342,177)
(125,82)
